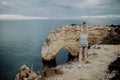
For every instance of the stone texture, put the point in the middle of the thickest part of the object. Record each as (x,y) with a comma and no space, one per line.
(25,73)
(68,38)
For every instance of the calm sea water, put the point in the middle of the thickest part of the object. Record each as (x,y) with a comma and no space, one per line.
(21,42)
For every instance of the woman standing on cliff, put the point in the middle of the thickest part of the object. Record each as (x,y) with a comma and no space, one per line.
(83,42)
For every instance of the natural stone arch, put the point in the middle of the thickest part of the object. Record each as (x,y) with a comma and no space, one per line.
(62,56)
(68,38)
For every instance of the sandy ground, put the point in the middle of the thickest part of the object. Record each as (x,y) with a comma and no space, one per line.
(95,70)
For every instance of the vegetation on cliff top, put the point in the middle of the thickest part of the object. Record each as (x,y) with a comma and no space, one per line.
(111,39)
(115,67)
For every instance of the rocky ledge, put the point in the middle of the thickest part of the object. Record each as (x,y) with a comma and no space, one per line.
(68,38)
(99,68)
(104,65)
(100,56)
(25,73)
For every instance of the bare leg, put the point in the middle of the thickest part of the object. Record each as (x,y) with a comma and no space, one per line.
(86,54)
(80,55)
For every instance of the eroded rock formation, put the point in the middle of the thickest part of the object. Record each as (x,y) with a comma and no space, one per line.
(25,73)
(68,38)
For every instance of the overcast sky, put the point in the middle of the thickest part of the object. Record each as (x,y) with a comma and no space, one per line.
(59,9)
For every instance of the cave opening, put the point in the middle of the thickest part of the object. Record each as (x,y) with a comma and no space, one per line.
(62,56)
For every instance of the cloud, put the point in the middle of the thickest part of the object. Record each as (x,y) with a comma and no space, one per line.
(4,3)
(21,17)
(62,9)
(100,16)
(18,17)
(90,17)
(80,4)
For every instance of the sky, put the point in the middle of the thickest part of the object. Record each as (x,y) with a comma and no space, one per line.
(59,9)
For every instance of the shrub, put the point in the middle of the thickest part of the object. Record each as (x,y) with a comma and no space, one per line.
(111,39)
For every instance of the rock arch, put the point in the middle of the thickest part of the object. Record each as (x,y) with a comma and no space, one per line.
(62,56)
(68,38)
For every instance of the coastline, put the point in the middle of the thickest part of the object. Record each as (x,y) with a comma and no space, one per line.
(99,59)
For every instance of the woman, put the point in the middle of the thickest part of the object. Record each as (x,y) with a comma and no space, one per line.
(83,42)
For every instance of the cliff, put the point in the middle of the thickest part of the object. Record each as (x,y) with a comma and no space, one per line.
(65,37)
(97,69)
(68,38)
(100,59)
(25,73)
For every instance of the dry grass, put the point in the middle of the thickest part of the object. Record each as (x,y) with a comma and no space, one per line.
(49,72)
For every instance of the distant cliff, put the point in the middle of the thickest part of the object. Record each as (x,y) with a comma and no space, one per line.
(68,38)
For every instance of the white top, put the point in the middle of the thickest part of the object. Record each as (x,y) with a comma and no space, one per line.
(83,35)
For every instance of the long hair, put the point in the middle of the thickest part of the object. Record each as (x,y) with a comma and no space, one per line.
(84,27)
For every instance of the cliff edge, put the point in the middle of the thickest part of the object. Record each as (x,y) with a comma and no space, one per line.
(69,38)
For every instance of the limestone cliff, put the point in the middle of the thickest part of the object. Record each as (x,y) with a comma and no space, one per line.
(25,73)
(68,38)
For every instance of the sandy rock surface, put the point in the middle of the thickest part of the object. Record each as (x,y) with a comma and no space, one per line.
(68,37)
(97,68)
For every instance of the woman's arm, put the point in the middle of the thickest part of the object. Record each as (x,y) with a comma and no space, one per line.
(78,29)
(91,29)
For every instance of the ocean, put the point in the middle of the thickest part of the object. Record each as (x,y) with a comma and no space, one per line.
(21,42)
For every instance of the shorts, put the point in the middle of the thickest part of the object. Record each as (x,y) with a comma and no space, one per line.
(83,43)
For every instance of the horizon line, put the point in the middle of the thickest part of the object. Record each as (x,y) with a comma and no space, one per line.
(22,17)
